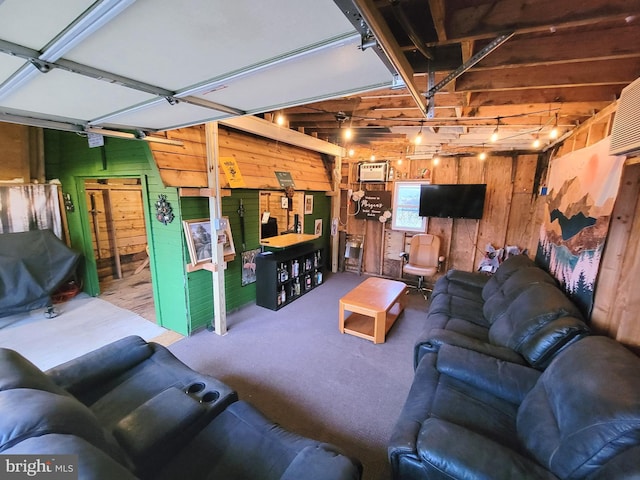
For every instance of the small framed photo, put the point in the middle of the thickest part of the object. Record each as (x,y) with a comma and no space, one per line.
(199,240)
(308,204)
(318,226)
(226,238)
(284,202)
(198,235)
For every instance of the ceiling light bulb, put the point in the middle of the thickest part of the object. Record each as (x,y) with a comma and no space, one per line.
(536,142)
(400,161)
(351,152)
(373,157)
(482,156)
(494,135)
(348,133)
(436,160)
(280,119)
(418,139)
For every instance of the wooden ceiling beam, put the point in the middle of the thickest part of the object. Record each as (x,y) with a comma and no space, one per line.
(558,95)
(584,109)
(563,47)
(604,72)
(438,12)
(391,48)
(523,16)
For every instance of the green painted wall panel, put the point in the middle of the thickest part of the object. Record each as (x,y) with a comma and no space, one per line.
(68,158)
(184,301)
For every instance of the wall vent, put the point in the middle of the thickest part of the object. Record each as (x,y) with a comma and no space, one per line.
(625,134)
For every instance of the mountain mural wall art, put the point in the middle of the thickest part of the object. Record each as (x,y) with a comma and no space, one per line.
(582,188)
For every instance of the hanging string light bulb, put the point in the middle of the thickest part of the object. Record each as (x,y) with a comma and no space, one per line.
(495,134)
(482,155)
(418,139)
(536,141)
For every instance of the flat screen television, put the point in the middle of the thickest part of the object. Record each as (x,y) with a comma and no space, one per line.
(452,201)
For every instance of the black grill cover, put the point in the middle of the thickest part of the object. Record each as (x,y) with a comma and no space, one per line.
(32,266)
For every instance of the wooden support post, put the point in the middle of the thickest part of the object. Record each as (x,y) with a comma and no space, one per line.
(111,230)
(335,212)
(215,213)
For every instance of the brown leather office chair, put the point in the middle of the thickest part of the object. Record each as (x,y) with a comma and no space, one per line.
(423,259)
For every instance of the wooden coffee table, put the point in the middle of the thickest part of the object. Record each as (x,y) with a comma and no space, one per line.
(375,305)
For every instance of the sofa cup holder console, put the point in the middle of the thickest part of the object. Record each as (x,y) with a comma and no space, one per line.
(198,391)
(210,397)
(195,388)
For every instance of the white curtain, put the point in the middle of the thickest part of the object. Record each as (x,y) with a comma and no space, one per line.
(30,207)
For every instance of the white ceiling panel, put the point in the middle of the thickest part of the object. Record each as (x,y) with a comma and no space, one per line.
(122,63)
(64,94)
(34,23)
(335,71)
(178,44)
(163,116)
(8,65)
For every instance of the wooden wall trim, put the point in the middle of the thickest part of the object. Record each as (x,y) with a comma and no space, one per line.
(265,129)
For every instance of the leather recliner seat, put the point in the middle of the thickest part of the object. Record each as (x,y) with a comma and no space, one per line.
(471,415)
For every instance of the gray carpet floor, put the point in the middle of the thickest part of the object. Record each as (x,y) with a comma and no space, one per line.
(296,367)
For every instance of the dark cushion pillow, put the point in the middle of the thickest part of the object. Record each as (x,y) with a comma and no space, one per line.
(527,313)
(504,271)
(498,303)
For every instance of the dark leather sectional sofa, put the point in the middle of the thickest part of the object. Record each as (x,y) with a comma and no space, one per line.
(133,410)
(510,384)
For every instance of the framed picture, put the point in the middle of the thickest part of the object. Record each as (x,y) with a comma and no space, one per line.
(249,266)
(198,235)
(226,239)
(284,202)
(308,204)
(318,226)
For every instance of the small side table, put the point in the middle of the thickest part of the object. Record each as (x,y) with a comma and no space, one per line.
(375,305)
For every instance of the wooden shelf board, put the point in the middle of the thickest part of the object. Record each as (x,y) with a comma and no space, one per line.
(362,325)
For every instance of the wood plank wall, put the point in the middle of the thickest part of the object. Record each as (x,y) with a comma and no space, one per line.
(120,225)
(512,193)
(257,159)
(21,155)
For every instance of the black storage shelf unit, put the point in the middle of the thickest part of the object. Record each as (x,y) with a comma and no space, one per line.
(285,275)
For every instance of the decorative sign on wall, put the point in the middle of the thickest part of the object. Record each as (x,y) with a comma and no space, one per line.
(232,172)
(374,205)
(164,210)
(582,189)
(285,179)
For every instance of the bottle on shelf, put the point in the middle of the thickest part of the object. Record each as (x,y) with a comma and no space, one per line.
(283,296)
(295,268)
(307,282)
(284,274)
(297,286)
